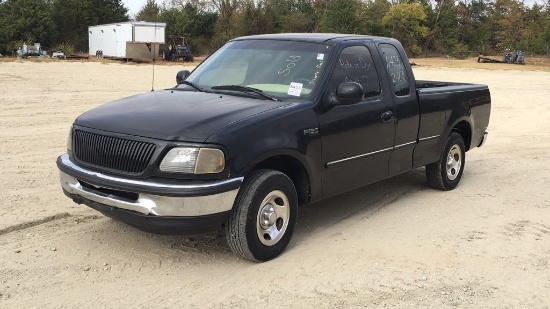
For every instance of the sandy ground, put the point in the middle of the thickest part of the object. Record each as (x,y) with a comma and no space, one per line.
(396,243)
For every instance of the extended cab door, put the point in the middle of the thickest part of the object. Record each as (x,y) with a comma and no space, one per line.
(406,109)
(357,140)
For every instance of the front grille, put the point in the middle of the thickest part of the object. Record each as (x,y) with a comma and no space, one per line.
(112,152)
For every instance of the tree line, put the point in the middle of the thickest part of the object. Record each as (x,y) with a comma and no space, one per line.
(56,24)
(437,27)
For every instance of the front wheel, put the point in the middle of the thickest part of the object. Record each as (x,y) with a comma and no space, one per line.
(445,174)
(263,217)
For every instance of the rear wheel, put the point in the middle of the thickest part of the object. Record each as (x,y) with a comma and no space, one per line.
(263,217)
(445,174)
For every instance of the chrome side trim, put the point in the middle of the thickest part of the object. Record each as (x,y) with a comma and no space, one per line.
(65,160)
(406,144)
(359,156)
(429,137)
(369,154)
(149,204)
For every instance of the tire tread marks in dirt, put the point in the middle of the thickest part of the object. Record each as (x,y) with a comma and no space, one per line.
(29,224)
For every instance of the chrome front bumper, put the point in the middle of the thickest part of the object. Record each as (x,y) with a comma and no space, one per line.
(177,202)
(483,139)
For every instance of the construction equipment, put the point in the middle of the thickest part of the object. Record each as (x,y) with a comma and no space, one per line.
(27,51)
(519,58)
(177,47)
(515,58)
(483,59)
(59,55)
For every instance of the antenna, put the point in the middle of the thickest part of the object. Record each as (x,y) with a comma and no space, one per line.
(154,57)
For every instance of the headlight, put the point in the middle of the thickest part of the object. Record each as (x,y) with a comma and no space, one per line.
(193,161)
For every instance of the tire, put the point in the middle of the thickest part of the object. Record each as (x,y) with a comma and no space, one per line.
(445,174)
(264,215)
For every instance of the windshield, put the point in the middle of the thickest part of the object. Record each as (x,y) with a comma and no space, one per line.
(281,69)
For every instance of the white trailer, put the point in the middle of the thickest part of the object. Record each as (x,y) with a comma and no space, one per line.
(128,40)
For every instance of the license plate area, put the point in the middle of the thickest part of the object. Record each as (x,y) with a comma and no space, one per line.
(112,193)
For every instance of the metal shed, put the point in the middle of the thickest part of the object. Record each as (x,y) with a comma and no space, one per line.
(128,40)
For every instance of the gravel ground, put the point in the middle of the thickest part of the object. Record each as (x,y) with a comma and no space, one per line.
(396,243)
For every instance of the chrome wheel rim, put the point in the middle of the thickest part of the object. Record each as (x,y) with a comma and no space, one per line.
(273,217)
(454,162)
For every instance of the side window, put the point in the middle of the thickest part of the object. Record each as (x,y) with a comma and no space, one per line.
(355,64)
(395,68)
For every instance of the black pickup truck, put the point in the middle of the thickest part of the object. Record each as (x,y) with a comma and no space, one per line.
(263,125)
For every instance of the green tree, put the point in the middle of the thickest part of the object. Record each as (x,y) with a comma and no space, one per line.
(508,19)
(28,21)
(546,28)
(251,18)
(474,27)
(371,15)
(189,21)
(193,22)
(340,16)
(149,12)
(444,35)
(405,21)
(73,17)
(532,36)
(227,11)
(291,15)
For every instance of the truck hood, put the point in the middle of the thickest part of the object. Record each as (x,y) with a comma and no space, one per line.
(173,114)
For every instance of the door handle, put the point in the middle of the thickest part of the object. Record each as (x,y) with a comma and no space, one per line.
(387,116)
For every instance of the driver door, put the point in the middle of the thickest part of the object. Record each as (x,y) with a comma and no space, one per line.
(357,140)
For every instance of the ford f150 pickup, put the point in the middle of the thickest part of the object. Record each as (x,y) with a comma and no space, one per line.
(263,125)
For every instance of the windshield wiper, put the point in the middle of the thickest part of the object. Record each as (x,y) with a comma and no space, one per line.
(245,89)
(184,82)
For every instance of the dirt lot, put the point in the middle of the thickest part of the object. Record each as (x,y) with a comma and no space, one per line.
(396,243)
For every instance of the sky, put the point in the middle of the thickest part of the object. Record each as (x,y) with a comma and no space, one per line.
(135,5)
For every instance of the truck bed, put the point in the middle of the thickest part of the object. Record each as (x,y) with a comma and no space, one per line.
(445,103)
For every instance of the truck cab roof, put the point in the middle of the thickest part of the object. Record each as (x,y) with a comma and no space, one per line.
(324,38)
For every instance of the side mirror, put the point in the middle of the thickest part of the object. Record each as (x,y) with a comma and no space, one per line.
(181,76)
(349,93)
